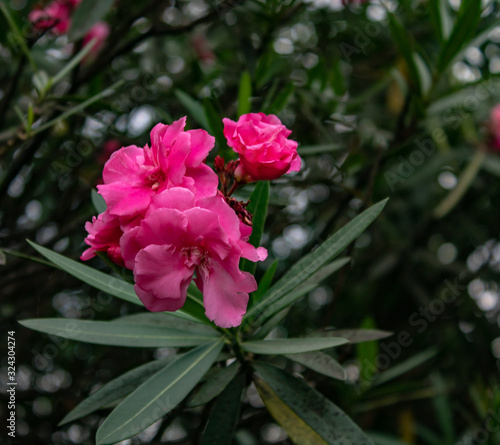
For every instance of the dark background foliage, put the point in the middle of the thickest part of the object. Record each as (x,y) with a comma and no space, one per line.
(371,123)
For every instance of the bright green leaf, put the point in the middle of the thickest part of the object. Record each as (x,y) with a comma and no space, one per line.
(244,94)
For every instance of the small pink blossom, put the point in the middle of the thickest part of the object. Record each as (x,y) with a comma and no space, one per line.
(263,146)
(55,16)
(99,31)
(104,233)
(133,175)
(182,236)
(495,126)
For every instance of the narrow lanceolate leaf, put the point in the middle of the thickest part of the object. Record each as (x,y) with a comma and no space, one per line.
(441,18)
(354,335)
(214,385)
(116,389)
(320,362)
(158,395)
(306,415)
(291,345)
(195,109)
(312,262)
(117,334)
(112,286)
(98,201)
(165,319)
(224,414)
(265,282)
(463,31)
(259,200)
(244,93)
(87,13)
(216,126)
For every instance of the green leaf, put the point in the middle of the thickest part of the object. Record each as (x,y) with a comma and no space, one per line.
(158,395)
(98,201)
(404,42)
(306,415)
(264,330)
(291,345)
(195,109)
(280,100)
(354,335)
(441,18)
(265,282)
(224,414)
(259,200)
(404,367)
(118,334)
(320,362)
(311,263)
(319,149)
(463,31)
(166,319)
(116,389)
(367,354)
(216,126)
(424,74)
(86,14)
(214,385)
(244,93)
(112,286)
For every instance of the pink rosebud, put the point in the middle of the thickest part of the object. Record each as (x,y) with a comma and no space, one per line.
(55,16)
(263,146)
(104,235)
(495,126)
(134,175)
(181,236)
(99,31)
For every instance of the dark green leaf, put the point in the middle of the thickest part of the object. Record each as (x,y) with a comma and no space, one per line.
(116,389)
(320,362)
(259,200)
(86,15)
(244,94)
(440,16)
(306,415)
(265,282)
(216,127)
(291,345)
(367,354)
(280,101)
(194,108)
(463,31)
(158,395)
(214,385)
(354,335)
(224,414)
(311,263)
(118,334)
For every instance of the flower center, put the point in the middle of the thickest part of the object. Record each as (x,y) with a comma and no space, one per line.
(156,179)
(193,256)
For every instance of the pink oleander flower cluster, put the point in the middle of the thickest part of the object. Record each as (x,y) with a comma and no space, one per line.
(167,221)
(56,18)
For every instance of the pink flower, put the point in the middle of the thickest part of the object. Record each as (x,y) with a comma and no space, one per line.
(104,233)
(261,141)
(181,236)
(55,16)
(495,126)
(99,31)
(108,148)
(133,175)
